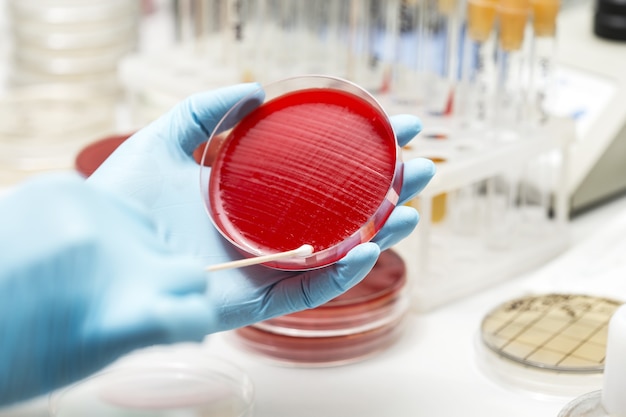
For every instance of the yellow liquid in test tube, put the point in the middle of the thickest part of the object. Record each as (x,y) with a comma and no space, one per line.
(481,15)
(544,17)
(439,201)
(513,16)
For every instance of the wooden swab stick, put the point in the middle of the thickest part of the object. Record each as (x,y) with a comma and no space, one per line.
(301,252)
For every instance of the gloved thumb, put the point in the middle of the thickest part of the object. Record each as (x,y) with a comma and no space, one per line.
(193,120)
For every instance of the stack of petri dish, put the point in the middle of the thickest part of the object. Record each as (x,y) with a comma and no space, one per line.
(43,127)
(62,86)
(365,320)
(71,41)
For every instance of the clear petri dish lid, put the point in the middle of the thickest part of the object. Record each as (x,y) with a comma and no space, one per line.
(305,160)
(60,39)
(71,11)
(168,382)
(82,61)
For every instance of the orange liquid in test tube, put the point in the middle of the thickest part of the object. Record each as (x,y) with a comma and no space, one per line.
(481,15)
(513,16)
(544,17)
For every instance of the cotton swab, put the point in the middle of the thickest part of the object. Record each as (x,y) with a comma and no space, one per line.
(302,251)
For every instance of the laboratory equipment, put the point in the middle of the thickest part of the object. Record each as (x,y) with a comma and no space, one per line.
(488,234)
(42,128)
(425,66)
(511,71)
(314,160)
(553,343)
(180,380)
(352,327)
(609,20)
(71,42)
(372,46)
(473,107)
(542,58)
(592,89)
(610,400)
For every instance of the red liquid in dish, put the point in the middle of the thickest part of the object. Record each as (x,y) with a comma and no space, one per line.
(311,166)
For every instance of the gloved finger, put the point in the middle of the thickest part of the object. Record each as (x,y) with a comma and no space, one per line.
(417,174)
(399,225)
(188,318)
(313,288)
(193,120)
(406,127)
(190,277)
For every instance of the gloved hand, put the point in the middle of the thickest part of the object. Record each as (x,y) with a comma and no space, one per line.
(84,279)
(92,270)
(155,168)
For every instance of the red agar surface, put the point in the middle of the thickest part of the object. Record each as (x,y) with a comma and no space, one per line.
(308,167)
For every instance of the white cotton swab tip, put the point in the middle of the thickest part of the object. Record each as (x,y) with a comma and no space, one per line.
(301,252)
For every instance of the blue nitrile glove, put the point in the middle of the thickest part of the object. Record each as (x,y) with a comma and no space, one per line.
(84,279)
(155,168)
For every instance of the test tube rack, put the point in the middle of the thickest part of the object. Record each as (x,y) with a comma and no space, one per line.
(464,253)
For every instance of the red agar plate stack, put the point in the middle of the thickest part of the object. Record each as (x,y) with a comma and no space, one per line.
(363,321)
(306,160)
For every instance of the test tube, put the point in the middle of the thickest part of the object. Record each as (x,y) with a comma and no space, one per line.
(373,26)
(426,63)
(544,16)
(477,70)
(510,94)
(408,63)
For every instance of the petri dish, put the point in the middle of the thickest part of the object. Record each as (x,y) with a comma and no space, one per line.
(319,351)
(72,12)
(43,127)
(354,326)
(93,155)
(559,332)
(306,160)
(375,301)
(166,383)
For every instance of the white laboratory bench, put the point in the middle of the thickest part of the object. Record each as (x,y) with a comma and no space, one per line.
(433,370)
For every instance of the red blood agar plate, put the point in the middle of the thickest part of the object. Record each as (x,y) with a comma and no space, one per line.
(361,322)
(93,155)
(306,160)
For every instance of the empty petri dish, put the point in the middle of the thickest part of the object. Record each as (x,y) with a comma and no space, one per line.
(306,160)
(558,332)
(354,326)
(168,383)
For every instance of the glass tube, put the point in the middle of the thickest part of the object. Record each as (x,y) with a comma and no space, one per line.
(544,15)
(373,26)
(509,99)
(426,64)
(408,63)
(477,69)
